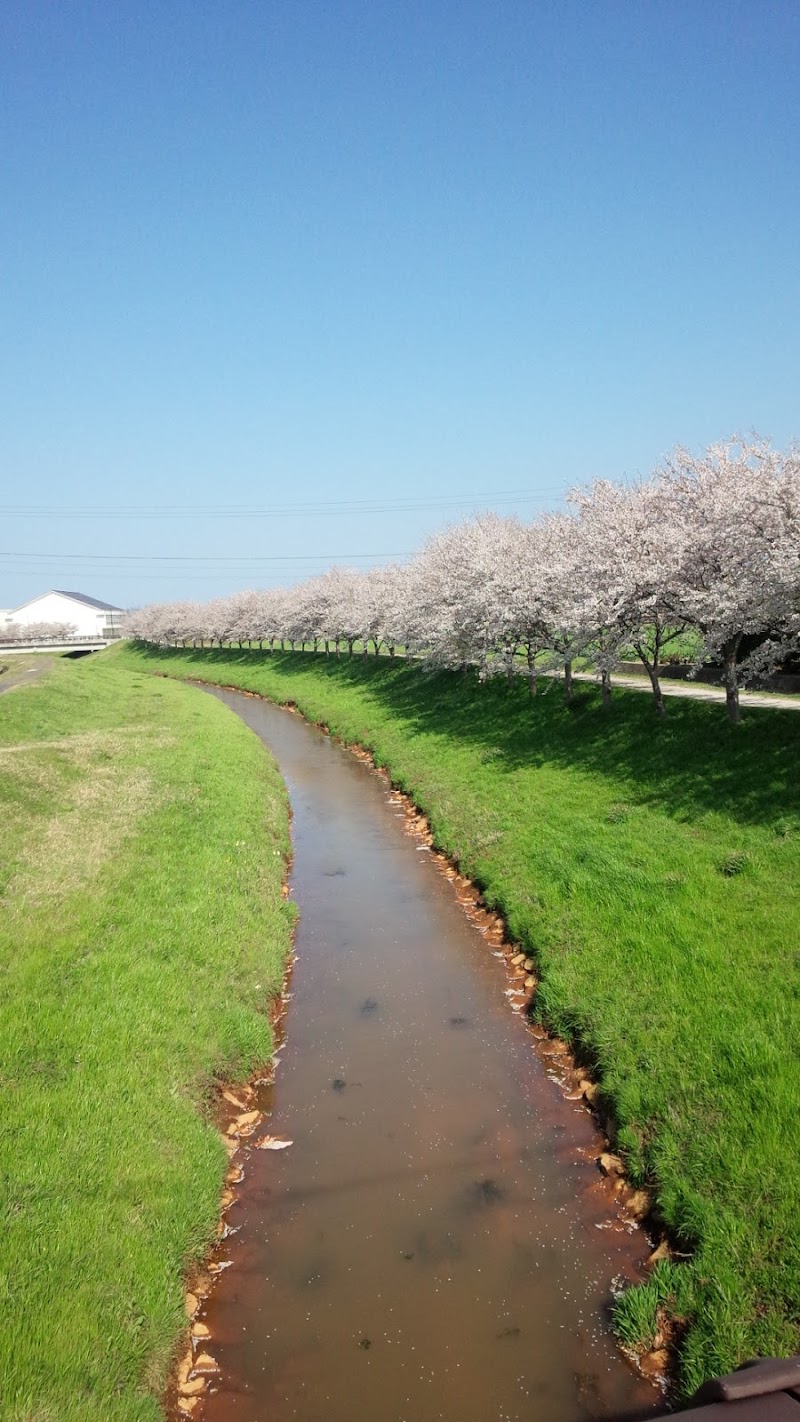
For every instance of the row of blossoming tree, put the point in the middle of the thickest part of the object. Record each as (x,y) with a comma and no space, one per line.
(707,545)
(37,631)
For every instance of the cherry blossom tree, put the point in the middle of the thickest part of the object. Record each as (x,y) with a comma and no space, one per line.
(626,578)
(454,622)
(733,514)
(38,631)
(555,593)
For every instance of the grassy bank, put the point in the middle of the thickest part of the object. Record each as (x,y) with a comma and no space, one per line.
(653,869)
(144,835)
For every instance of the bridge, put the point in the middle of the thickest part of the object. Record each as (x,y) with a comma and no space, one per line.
(66,644)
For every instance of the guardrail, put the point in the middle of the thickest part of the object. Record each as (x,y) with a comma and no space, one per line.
(47,644)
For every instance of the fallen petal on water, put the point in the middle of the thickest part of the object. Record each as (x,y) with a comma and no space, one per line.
(273,1143)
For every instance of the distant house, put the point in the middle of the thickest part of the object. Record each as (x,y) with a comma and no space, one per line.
(88,615)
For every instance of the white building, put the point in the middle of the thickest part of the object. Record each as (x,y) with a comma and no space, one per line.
(88,615)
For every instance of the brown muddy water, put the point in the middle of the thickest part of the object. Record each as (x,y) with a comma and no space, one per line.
(437,1243)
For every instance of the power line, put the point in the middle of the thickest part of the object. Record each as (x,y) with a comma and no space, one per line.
(222,560)
(317,508)
(185,579)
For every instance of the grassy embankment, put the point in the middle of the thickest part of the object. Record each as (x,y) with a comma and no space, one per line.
(653,868)
(143,933)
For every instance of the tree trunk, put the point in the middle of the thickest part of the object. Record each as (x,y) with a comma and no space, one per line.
(391,649)
(605,687)
(652,669)
(531,673)
(731,681)
(567,679)
(658,695)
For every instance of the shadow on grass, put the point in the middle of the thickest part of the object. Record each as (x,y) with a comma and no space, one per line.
(691,763)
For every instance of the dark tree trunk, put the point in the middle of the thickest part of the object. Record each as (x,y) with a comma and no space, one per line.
(731,680)
(658,695)
(605,687)
(567,679)
(531,672)
(652,669)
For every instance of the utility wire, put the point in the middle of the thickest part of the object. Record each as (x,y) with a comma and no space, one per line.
(315,508)
(194,558)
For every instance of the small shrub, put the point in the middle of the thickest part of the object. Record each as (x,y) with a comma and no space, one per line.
(635,1316)
(644,1311)
(734,864)
(617,813)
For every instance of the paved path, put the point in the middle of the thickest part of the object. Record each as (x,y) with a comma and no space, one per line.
(12,678)
(699,691)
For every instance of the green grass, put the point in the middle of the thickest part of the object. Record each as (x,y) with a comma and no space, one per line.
(143,934)
(683,648)
(654,871)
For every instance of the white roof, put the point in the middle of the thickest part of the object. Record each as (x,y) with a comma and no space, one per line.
(74,597)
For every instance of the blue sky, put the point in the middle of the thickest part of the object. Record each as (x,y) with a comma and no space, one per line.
(289,283)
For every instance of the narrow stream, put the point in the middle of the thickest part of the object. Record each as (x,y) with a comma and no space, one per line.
(437,1243)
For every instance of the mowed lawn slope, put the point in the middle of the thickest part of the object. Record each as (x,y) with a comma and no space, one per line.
(141,938)
(653,868)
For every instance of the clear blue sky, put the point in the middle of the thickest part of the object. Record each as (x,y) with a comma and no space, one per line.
(272,253)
